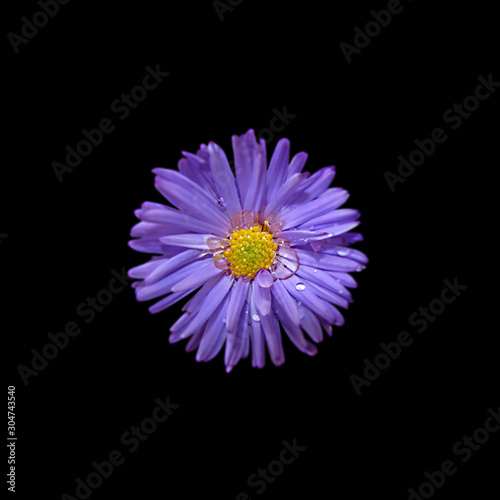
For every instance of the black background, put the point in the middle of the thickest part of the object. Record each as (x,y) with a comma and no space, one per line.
(64,238)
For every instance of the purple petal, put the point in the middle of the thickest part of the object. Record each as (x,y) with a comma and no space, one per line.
(249,168)
(168,301)
(352,253)
(214,298)
(264,278)
(272,334)
(196,170)
(164,286)
(224,179)
(341,228)
(196,301)
(256,334)
(288,189)
(146,245)
(189,169)
(262,298)
(237,300)
(331,200)
(144,270)
(200,170)
(297,164)
(189,240)
(345,279)
(214,334)
(310,323)
(189,197)
(256,189)
(295,334)
(326,326)
(341,215)
(317,184)
(237,342)
(297,237)
(180,324)
(287,262)
(287,303)
(324,279)
(199,277)
(174,218)
(327,262)
(246,327)
(277,168)
(344,239)
(194,341)
(169,265)
(153,230)
(325,294)
(303,294)
(243,151)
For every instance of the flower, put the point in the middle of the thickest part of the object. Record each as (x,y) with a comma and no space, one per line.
(268,246)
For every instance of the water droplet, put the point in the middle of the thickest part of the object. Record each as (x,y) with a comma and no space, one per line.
(312,228)
(343,252)
(224,320)
(222,202)
(360,268)
(256,317)
(315,270)
(300,286)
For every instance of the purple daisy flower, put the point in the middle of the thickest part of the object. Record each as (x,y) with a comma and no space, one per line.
(268,247)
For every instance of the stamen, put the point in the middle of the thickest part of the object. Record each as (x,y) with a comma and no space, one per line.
(250,250)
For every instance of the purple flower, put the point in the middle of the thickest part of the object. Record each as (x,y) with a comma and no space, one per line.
(268,247)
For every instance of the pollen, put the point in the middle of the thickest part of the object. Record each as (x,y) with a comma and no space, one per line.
(250,250)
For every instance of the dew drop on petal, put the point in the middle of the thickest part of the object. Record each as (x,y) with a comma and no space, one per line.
(256,317)
(343,252)
(222,202)
(300,286)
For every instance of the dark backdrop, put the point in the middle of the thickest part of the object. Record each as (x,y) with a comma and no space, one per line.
(61,239)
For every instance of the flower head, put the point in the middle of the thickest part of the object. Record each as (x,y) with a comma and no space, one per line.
(266,247)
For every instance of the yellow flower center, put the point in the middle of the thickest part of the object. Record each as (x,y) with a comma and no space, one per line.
(250,251)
